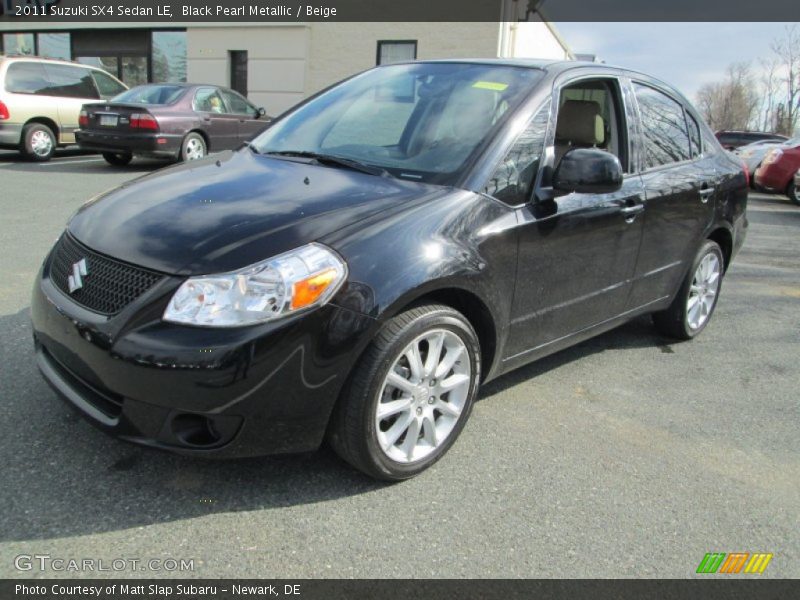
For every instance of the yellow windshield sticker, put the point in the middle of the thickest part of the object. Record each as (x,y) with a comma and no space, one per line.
(490,85)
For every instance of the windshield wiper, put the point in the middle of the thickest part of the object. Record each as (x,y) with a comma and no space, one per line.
(331,159)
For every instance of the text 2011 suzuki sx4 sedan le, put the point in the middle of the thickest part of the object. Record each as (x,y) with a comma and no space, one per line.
(383,248)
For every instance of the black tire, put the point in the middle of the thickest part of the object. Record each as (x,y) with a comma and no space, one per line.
(674,321)
(31,148)
(353,432)
(192,140)
(794,193)
(118,160)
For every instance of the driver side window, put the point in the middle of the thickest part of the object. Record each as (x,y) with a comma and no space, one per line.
(513,179)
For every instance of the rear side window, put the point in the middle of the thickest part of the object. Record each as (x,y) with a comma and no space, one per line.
(107,85)
(209,100)
(26,78)
(69,82)
(694,136)
(666,139)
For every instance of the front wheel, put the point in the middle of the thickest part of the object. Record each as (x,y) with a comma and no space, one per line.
(193,147)
(410,395)
(794,193)
(694,304)
(118,160)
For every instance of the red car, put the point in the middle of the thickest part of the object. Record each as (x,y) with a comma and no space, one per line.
(776,173)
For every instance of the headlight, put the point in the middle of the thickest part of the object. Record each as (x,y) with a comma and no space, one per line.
(773,156)
(277,287)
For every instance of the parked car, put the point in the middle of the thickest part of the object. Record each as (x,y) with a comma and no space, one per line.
(385,247)
(171,120)
(733,139)
(776,173)
(753,154)
(41,98)
(795,197)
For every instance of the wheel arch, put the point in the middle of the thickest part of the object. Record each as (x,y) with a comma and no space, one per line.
(724,238)
(469,304)
(44,121)
(202,134)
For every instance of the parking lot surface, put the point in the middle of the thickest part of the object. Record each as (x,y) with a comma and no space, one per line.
(626,456)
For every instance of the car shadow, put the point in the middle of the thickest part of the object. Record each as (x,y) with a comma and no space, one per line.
(61,477)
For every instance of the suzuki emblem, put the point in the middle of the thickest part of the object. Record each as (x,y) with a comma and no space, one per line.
(79,269)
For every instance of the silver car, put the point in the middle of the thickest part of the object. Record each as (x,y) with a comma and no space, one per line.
(41,99)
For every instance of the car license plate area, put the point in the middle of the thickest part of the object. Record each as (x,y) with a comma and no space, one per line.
(108,120)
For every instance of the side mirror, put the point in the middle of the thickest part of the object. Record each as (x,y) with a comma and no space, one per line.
(588,171)
(262,112)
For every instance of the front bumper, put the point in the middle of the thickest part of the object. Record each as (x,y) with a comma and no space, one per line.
(250,391)
(141,144)
(772,177)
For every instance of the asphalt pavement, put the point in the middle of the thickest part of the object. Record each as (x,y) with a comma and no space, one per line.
(626,456)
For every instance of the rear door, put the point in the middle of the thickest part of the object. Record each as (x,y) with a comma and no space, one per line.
(219,123)
(680,181)
(70,87)
(249,123)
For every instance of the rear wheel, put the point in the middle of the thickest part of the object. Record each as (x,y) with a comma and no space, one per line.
(193,148)
(794,193)
(410,395)
(696,300)
(38,142)
(117,159)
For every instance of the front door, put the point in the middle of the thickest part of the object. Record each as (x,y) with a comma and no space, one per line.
(250,125)
(577,252)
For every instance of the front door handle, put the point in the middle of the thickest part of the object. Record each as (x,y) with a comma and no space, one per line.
(630,212)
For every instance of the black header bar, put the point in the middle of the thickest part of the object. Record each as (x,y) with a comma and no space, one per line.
(178,11)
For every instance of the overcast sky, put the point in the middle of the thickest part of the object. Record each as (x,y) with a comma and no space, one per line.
(686,55)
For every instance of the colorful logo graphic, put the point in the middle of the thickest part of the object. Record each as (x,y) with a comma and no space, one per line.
(735,562)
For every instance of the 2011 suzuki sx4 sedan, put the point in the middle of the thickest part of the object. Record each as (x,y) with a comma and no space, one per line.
(356,271)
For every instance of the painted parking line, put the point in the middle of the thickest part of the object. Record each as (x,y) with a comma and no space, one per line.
(63,161)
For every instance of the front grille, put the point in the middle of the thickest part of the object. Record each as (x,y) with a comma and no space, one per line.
(109,285)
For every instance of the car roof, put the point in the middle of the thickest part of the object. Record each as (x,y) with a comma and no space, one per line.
(31,58)
(555,67)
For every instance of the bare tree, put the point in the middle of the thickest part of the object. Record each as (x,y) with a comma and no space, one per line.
(732,103)
(787,51)
(770,85)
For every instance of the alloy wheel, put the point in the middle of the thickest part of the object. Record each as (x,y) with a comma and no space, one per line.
(423,396)
(703,292)
(41,143)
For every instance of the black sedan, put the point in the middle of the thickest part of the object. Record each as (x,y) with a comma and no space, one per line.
(175,121)
(359,269)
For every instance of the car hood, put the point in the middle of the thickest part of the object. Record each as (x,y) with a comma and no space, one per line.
(232,210)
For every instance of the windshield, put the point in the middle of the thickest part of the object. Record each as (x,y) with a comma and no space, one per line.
(420,121)
(151,94)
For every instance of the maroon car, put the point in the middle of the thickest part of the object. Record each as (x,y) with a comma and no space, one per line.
(171,120)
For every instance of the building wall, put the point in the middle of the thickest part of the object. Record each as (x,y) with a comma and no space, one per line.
(338,50)
(277,61)
(535,39)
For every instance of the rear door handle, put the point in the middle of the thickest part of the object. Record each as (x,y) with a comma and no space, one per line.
(705,194)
